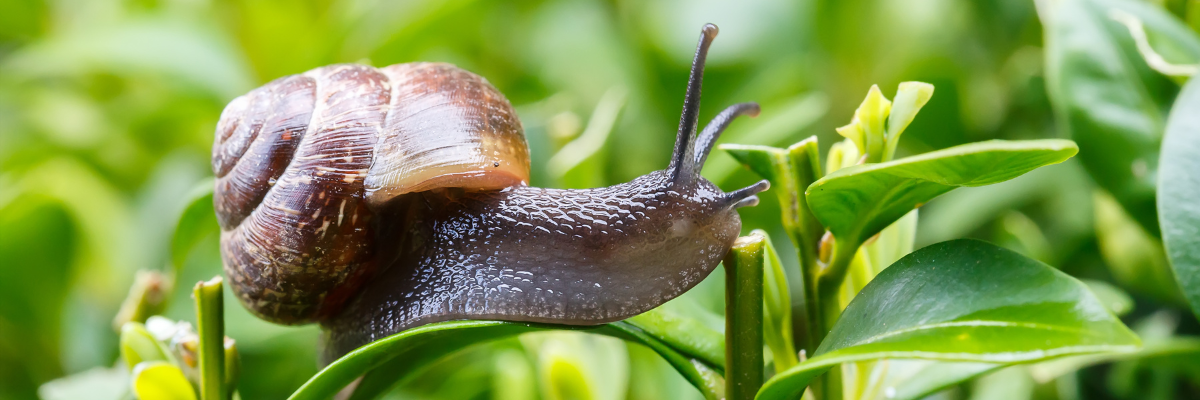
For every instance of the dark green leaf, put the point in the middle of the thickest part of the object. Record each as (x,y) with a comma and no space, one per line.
(859,201)
(964,300)
(1106,97)
(1179,192)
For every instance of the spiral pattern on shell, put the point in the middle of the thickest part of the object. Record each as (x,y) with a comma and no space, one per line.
(304,165)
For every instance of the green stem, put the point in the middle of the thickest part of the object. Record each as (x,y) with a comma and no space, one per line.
(744,318)
(211,329)
(828,282)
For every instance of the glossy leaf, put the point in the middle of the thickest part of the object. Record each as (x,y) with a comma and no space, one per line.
(1179,192)
(159,380)
(387,361)
(963,300)
(678,326)
(1106,96)
(857,202)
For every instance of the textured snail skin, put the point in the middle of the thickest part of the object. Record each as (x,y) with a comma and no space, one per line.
(542,255)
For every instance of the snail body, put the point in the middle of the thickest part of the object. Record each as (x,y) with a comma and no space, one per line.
(375,200)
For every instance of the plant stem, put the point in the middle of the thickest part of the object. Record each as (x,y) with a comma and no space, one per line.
(744,318)
(210,325)
(828,281)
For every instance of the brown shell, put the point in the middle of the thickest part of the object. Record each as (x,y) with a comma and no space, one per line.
(304,162)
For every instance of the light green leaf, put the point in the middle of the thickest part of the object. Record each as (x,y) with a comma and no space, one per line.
(159,380)
(98,383)
(917,379)
(1183,349)
(1111,296)
(196,221)
(1179,192)
(389,360)
(910,97)
(1135,258)
(963,300)
(857,202)
(138,345)
(1106,96)
(682,326)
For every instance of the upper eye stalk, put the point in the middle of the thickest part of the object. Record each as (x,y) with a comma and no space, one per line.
(691,150)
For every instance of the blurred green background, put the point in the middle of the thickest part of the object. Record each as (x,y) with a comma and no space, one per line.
(107,112)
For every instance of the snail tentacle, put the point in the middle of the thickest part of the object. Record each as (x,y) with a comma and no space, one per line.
(684,172)
(712,131)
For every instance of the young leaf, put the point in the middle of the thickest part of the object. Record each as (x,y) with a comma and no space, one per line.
(963,300)
(1179,191)
(160,380)
(1106,96)
(138,345)
(857,202)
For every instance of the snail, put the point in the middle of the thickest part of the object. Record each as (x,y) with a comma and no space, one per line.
(376,200)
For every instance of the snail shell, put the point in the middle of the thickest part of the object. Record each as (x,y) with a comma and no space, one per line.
(302,162)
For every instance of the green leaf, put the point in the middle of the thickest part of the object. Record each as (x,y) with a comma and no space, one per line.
(389,360)
(159,380)
(1180,46)
(1184,349)
(1179,192)
(963,300)
(675,323)
(910,97)
(789,171)
(196,222)
(1135,258)
(1106,97)
(1111,296)
(98,383)
(857,202)
(138,345)
(917,379)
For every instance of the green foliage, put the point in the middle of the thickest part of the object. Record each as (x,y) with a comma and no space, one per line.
(160,380)
(857,202)
(1021,310)
(1107,97)
(1179,189)
(406,352)
(107,110)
